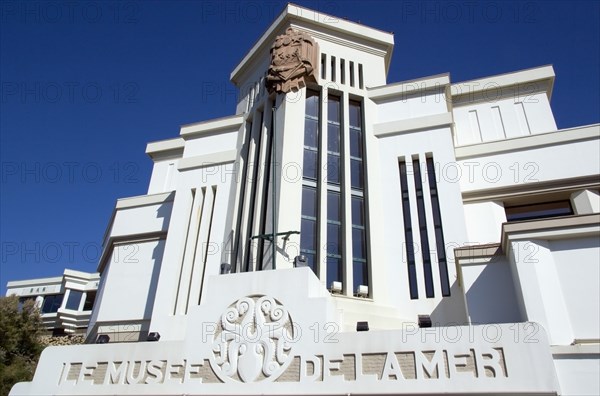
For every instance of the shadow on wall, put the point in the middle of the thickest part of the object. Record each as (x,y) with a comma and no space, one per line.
(157,257)
(491,298)
(450,310)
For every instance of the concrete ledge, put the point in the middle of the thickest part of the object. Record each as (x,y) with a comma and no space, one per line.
(143,200)
(409,87)
(551,228)
(164,148)
(505,80)
(217,125)
(202,161)
(412,124)
(562,136)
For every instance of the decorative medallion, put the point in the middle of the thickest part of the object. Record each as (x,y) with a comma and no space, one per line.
(293,62)
(254,341)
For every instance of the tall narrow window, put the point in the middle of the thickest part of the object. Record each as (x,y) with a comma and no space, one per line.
(333,140)
(360,76)
(238,250)
(351,74)
(360,273)
(439,232)
(423,230)
(265,197)
(333,68)
(334,238)
(309,215)
(408,234)
(308,226)
(343,71)
(250,226)
(343,241)
(323,64)
(334,247)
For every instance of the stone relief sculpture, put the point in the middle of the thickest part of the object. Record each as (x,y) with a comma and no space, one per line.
(293,62)
(254,342)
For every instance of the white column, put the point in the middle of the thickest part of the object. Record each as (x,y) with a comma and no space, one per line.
(289,127)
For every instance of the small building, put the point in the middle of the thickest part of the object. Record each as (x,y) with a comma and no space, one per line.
(65,302)
(341,235)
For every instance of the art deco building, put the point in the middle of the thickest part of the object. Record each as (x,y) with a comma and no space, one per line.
(65,302)
(342,235)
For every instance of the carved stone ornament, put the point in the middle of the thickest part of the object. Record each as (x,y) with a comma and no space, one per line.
(253,341)
(293,62)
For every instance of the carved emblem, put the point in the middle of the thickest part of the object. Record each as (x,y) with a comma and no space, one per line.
(254,341)
(293,62)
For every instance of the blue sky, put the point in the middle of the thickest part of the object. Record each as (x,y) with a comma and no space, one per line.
(84,87)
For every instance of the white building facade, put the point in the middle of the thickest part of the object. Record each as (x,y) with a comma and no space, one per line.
(342,235)
(65,302)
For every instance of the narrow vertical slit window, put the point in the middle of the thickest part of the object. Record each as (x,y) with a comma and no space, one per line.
(334,247)
(334,237)
(351,74)
(333,140)
(333,68)
(423,230)
(265,197)
(408,233)
(439,232)
(343,71)
(323,65)
(360,270)
(255,168)
(360,76)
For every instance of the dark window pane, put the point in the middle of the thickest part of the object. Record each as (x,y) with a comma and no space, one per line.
(309,168)
(538,211)
(412,281)
(358,243)
(333,108)
(74,300)
(52,303)
(356,143)
(410,248)
(333,138)
(334,239)
(333,206)
(310,132)
(309,201)
(312,103)
(360,274)
(308,234)
(334,270)
(90,297)
(333,168)
(358,211)
(355,114)
(357,179)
